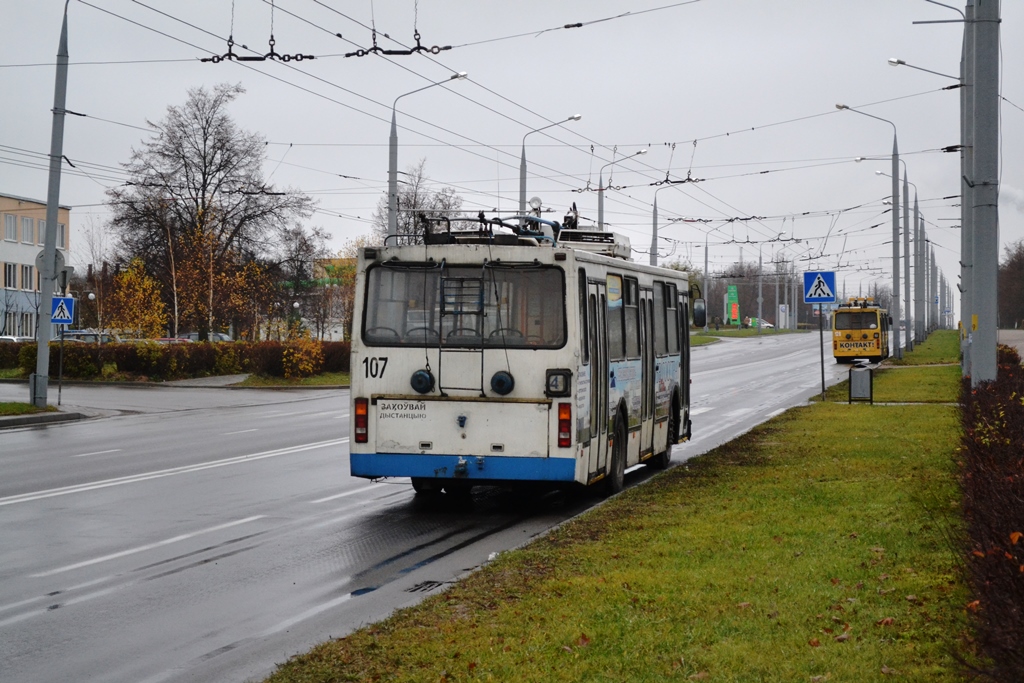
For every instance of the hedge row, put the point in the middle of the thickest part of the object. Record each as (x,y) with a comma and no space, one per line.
(992,485)
(180,361)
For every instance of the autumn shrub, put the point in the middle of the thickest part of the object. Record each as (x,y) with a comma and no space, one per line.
(336,356)
(992,485)
(226,360)
(137,358)
(262,358)
(302,357)
(9,355)
(81,361)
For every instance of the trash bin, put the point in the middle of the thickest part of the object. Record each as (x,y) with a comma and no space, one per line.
(862,383)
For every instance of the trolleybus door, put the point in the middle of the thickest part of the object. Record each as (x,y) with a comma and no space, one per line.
(647,368)
(599,379)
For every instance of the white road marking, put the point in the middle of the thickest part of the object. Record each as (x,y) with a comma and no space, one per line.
(82,455)
(306,615)
(241,431)
(144,548)
(698,411)
(346,493)
(186,469)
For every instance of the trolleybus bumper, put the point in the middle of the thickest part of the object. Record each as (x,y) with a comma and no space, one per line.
(490,468)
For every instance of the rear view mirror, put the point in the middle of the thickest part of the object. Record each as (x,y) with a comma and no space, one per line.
(700,313)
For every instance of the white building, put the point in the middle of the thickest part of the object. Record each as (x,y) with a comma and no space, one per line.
(22,230)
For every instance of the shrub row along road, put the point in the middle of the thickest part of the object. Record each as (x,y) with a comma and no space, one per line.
(206,534)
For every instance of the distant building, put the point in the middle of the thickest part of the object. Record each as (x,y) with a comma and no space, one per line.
(22,231)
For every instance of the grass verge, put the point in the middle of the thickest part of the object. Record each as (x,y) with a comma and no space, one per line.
(700,339)
(325,379)
(749,332)
(15,408)
(941,346)
(11,373)
(812,548)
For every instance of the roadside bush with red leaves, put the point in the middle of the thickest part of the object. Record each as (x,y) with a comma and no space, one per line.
(992,485)
(336,355)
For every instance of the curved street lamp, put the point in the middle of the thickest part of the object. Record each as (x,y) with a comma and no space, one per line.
(522,161)
(895,223)
(393,155)
(601,188)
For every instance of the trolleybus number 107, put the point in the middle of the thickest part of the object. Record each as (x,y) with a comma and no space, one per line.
(374,366)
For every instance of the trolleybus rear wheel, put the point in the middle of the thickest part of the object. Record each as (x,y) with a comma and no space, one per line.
(617,473)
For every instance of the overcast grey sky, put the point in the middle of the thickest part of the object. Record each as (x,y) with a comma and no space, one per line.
(753,82)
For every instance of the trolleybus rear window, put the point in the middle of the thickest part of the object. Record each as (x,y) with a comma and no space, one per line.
(856,321)
(501,306)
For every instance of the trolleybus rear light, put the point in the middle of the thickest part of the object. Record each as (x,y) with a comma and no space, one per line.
(362,420)
(564,425)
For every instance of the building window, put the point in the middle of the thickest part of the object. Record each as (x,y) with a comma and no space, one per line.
(10,227)
(26,277)
(62,236)
(41,235)
(28,230)
(11,275)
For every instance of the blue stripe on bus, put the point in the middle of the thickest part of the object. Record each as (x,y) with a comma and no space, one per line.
(495,467)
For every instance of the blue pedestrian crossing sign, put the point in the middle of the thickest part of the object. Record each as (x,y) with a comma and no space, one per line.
(63,310)
(820,287)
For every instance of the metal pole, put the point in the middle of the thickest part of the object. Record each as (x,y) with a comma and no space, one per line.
(821,339)
(985,179)
(933,300)
(918,277)
(896,244)
(39,380)
(706,292)
(600,199)
(906,261)
(393,177)
(760,299)
(522,164)
(966,190)
(654,233)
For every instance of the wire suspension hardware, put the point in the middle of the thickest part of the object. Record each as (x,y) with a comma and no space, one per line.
(436,49)
(272,55)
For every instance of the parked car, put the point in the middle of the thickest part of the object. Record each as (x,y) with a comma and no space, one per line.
(171,340)
(13,339)
(214,337)
(89,336)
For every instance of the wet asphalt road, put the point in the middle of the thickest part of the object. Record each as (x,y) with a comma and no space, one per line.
(206,534)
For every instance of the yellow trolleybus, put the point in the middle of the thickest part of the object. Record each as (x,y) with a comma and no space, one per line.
(860,329)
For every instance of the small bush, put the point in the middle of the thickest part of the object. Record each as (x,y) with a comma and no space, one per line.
(9,355)
(262,358)
(303,357)
(336,356)
(992,486)
(81,361)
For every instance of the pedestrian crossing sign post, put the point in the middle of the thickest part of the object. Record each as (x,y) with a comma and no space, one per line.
(820,287)
(63,310)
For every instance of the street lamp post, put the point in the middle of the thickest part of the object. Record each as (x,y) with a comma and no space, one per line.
(393,156)
(895,224)
(601,188)
(910,314)
(522,162)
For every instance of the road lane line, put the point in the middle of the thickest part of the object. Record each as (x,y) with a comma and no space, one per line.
(185,469)
(82,455)
(346,493)
(144,548)
(241,431)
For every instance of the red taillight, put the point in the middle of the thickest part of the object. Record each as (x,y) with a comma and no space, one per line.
(362,419)
(564,425)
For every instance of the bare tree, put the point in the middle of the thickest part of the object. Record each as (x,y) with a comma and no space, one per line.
(197,184)
(415,197)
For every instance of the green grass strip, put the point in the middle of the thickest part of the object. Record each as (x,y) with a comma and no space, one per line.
(813,546)
(325,379)
(941,346)
(15,408)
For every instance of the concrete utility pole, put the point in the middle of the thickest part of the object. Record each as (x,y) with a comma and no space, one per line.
(921,281)
(760,298)
(37,383)
(906,259)
(933,301)
(918,280)
(966,190)
(985,183)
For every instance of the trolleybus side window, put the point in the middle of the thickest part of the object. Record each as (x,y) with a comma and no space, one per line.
(660,336)
(616,343)
(672,319)
(631,297)
(584,325)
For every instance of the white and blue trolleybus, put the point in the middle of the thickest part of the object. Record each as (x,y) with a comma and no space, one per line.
(506,353)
